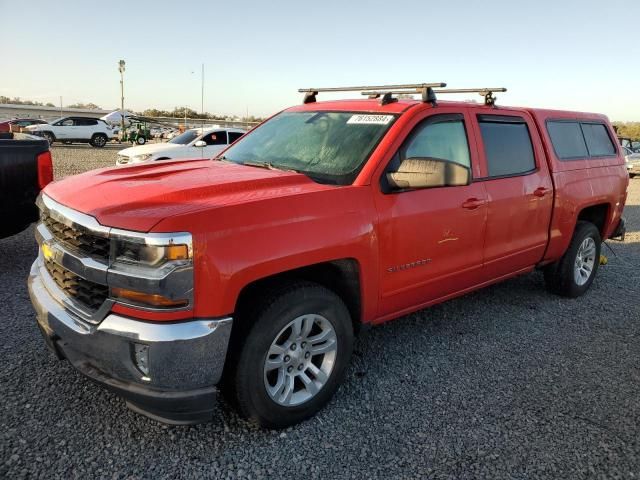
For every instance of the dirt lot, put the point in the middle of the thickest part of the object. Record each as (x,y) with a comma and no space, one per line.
(509,382)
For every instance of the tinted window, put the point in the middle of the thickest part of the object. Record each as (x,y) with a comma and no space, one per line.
(507,146)
(598,141)
(83,122)
(215,138)
(233,136)
(446,140)
(67,123)
(567,140)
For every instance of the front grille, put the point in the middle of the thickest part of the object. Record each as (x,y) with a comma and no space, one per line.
(76,238)
(88,293)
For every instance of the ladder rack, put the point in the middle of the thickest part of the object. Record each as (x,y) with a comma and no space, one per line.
(428,92)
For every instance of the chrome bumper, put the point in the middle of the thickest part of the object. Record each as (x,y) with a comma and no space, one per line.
(185,359)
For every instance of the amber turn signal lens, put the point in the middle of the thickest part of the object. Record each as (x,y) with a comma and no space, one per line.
(150,299)
(176,252)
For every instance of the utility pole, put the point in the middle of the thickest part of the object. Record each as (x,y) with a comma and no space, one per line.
(121,70)
(60,106)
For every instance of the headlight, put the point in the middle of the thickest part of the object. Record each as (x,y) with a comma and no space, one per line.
(139,252)
(151,270)
(141,157)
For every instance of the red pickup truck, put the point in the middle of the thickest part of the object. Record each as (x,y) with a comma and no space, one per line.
(251,273)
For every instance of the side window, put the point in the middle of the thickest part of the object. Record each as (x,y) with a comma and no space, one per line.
(216,138)
(67,123)
(233,136)
(598,141)
(507,145)
(444,138)
(567,139)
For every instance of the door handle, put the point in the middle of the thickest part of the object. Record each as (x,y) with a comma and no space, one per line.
(540,191)
(473,203)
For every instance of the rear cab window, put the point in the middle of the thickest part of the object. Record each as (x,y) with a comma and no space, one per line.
(507,145)
(580,139)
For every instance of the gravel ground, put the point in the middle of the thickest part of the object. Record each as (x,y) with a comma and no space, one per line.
(508,382)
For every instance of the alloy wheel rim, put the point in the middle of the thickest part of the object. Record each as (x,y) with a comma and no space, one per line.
(300,360)
(585,261)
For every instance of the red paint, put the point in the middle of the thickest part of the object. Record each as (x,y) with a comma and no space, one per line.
(249,223)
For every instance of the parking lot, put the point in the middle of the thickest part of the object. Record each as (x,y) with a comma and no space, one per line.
(508,382)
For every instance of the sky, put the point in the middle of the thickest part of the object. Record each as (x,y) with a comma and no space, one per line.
(578,55)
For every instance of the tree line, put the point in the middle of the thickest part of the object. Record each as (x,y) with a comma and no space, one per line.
(628,130)
(177,112)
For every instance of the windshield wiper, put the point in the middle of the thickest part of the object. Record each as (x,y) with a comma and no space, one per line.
(269,166)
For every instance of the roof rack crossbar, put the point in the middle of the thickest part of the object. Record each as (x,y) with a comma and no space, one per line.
(372,87)
(310,93)
(486,92)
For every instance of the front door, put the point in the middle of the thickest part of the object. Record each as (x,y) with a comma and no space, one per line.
(65,129)
(431,240)
(215,141)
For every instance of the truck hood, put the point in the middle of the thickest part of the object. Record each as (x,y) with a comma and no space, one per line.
(139,196)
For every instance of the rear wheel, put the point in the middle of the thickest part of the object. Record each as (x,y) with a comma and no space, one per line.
(141,140)
(574,273)
(99,140)
(292,358)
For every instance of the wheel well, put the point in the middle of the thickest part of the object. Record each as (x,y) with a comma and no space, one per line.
(340,276)
(49,132)
(596,214)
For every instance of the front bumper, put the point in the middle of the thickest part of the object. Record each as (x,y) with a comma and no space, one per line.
(185,359)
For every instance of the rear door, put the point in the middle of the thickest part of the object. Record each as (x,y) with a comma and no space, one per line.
(519,191)
(431,240)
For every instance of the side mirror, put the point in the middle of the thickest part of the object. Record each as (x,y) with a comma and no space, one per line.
(426,172)
(200,143)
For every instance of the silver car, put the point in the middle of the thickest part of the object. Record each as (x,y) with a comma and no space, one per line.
(632,161)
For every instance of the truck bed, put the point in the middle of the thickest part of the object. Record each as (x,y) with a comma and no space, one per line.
(19,183)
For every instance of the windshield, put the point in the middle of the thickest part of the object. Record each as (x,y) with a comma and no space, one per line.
(185,138)
(328,146)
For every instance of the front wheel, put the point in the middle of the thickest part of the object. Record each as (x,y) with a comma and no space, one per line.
(48,137)
(574,273)
(141,140)
(293,357)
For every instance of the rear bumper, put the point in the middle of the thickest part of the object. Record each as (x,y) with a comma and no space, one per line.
(184,359)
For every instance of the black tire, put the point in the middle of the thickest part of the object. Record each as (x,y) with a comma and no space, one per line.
(99,140)
(559,277)
(50,137)
(141,140)
(632,175)
(244,381)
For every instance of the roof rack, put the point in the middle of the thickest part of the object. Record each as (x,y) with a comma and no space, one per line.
(487,93)
(426,89)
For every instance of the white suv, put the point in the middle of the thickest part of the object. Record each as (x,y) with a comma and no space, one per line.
(75,129)
(193,144)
